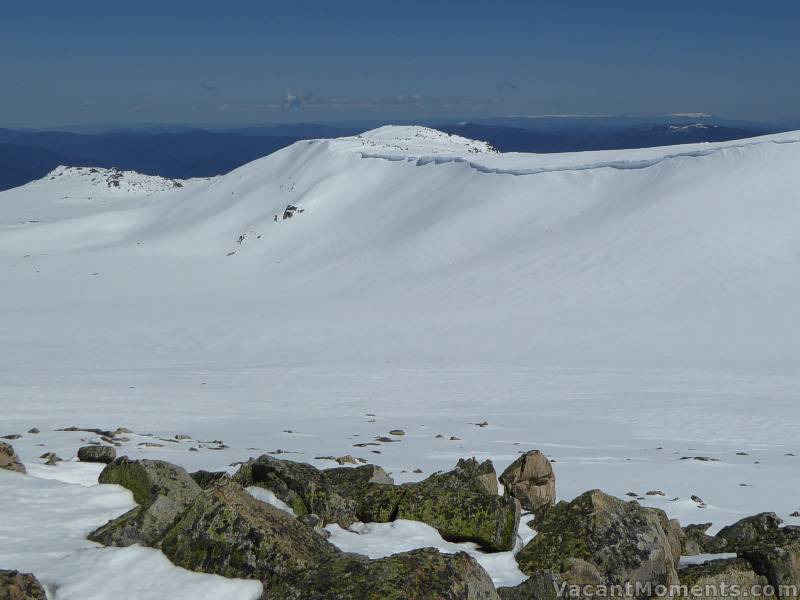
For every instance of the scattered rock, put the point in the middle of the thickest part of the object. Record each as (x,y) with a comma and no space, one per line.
(483,424)
(181,436)
(795,514)
(655,493)
(12,436)
(385,440)
(454,438)
(50,458)
(348,460)
(20,586)
(9,460)
(530,479)
(597,538)
(700,458)
(397,432)
(697,499)
(33,430)
(97,454)
(90,430)
(163,491)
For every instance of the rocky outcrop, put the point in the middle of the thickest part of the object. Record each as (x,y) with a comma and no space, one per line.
(205,479)
(530,479)
(541,585)
(97,454)
(461,504)
(599,539)
(709,580)
(751,530)
(697,541)
(228,532)
(20,586)
(9,460)
(162,490)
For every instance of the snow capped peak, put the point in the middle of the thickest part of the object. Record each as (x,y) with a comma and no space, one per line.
(129,182)
(418,140)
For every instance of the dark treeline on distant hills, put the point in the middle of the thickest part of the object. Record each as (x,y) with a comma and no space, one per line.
(181,152)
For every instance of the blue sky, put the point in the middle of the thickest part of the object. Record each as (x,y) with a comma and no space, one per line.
(263,62)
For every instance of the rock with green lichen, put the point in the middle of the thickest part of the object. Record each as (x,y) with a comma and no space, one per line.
(697,541)
(9,460)
(530,479)
(708,580)
(162,490)
(541,585)
(20,586)
(460,505)
(205,479)
(757,529)
(228,532)
(97,454)
(597,538)
(342,495)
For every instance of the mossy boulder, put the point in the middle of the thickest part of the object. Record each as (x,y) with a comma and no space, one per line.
(530,479)
(541,585)
(460,505)
(342,495)
(162,490)
(206,479)
(228,532)
(599,539)
(708,580)
(697,541)
(757,529)
(9,461)
(97,454)
(20,586)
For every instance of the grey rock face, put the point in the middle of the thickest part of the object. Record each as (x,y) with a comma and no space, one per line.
(715,574)
(9,459)
(530,479)
(599,539)
(162,490)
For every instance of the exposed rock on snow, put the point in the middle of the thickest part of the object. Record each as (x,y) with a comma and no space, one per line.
(228,532)
(600,539)
(205,479)
(530,479)
(130,182)
(461,504)
(9,459)
(97,453)
(20,586)
(162,490)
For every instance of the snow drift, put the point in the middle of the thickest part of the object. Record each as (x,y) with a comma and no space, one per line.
(412,246)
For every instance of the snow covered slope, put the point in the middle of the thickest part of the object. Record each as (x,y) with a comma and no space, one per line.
(620,310)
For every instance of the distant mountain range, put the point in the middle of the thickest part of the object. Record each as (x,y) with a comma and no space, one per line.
(180,152)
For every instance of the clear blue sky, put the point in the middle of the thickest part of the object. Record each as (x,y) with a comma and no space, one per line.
(260,61)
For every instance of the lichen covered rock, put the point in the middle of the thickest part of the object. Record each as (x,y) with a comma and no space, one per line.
(599,539)
(20,586)
(228,532)
(709,580)
(541,585)
(97,454)
(530,479)
(460,505)
(697,541)
(9,460)
(162,490)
